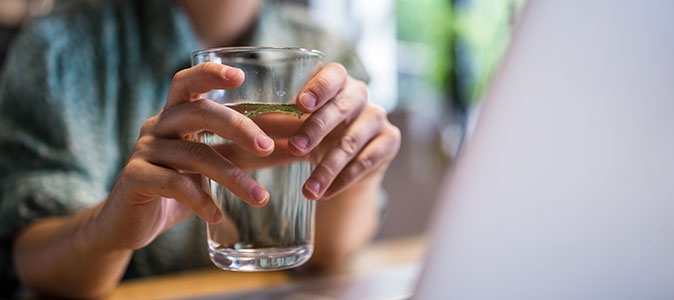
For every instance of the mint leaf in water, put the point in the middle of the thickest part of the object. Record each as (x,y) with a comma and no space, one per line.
(255,109)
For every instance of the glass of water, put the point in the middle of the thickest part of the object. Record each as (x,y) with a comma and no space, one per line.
(279,235)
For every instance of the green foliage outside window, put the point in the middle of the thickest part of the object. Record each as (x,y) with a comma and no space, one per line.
(467,39)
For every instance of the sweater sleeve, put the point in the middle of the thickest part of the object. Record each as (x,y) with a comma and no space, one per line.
(50,161)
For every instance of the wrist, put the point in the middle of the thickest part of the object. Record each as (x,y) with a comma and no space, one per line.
(93,232)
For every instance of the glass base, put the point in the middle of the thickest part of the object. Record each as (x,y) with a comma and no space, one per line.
(257,260)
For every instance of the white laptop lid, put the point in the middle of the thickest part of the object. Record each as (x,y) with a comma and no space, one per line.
(565,190)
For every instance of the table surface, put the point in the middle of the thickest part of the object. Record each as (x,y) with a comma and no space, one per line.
(376,256)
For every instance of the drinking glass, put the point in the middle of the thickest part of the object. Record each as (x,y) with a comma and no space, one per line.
(279,235)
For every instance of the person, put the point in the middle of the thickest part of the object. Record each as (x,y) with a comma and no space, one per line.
(95,101)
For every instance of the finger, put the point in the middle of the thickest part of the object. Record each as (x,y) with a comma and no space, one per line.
(206,115)
(157,181)
(344,107)
(354,139)
(189,84)
(376,154)
(248,162)
(322,87)
(201,158)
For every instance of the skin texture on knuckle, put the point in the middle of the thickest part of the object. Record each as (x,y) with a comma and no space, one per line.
(206,107)
(171,114)
(379,113)
(312,128)
(213,70)
(359,88)
(209,67)
(143,146)
(363,91)
(147,141)
(185,84)
(134,168)
(133,174)
(315,125)
(208,73)
(178,77)
(241,122)
(148,125)
(326,172)
(320,86)
(348,144)
(199,106)
(395,139)
(178,184)
(342,103)
(191,114)
(199,152)
(246,131)
(236,179)
(363,87)
(366,161)
(361,105)
(397,136)
(192,81)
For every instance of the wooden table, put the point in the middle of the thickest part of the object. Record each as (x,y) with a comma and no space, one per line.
(374,257)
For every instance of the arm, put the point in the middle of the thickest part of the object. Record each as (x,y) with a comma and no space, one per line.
(69,249)
(85,255)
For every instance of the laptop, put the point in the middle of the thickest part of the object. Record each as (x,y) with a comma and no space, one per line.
(565,186)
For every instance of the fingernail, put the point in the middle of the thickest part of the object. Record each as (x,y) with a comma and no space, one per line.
(264,142)
(217,215)
(313,186)
(300,142)
(232,73)
(259,194)
(308,100)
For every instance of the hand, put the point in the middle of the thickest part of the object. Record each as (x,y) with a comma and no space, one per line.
(348,137)
(161,183)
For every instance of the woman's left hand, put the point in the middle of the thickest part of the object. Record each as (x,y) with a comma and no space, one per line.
(348,137)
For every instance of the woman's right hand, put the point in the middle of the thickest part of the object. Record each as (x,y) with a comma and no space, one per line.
(161,183)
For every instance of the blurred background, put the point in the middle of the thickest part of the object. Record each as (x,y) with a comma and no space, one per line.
(429,61)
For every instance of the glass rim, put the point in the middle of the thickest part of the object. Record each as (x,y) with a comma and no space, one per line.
(263,48)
